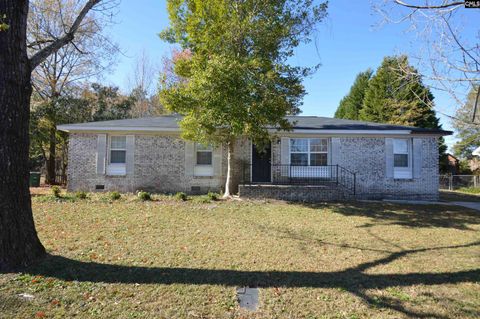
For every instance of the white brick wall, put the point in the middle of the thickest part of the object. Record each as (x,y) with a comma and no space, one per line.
(159,166)
(160,160)
(366,157)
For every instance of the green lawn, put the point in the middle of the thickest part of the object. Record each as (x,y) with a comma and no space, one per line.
(461,195)
(470,190)
(172,259)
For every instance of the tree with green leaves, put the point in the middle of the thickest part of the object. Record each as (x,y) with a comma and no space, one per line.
(107,103)
(44,117)
(351,104)
(235,80)
(468,131)
(94,103)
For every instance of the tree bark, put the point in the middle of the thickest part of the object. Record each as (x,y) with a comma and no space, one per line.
(51,171)
(19,243)
(228,182)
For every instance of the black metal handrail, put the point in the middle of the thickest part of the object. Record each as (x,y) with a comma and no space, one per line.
(347,179)
(282,174)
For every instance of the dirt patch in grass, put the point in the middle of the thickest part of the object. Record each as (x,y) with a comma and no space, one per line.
(39,191)
(166,258)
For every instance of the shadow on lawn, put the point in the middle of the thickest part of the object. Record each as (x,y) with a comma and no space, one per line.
(408,215)
(354,280)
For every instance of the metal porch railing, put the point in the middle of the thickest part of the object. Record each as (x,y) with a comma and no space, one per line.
(281,174)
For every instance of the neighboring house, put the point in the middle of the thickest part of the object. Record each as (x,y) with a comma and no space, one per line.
(453,164)
(320,159)
(474,164)
(474,161)
(476,152)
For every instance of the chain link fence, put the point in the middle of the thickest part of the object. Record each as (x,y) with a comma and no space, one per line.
(453,182)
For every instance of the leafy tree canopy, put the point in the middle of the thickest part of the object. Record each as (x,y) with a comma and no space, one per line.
(236,80)
(97,103)
(233,75)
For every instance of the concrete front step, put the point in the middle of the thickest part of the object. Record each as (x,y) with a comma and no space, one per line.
(296,193)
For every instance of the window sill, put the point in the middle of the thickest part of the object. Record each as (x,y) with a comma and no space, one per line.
(203,176)
(203,171)
(116,170)
(402,174)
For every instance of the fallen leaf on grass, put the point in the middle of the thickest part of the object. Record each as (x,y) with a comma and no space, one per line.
(55,302)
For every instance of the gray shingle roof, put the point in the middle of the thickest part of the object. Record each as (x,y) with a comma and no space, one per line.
(327,123)
(170,123)
(166,121)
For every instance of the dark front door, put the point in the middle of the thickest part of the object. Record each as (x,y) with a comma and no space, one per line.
(261,164)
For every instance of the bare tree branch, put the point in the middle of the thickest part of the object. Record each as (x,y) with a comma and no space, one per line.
(461,47)
(475,106)
(39,42)
(447,46)
(87,56)
(429,7)
(41,55)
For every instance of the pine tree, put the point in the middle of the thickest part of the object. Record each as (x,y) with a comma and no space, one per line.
(351,104)
(396,95)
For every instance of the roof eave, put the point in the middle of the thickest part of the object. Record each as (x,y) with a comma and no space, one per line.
(88,128)
(68,128)
(438,133)
(346,131)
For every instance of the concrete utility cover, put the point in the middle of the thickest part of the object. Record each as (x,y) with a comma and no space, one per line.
(248,298)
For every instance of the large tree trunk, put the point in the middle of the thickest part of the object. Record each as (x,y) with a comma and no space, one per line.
(228,182)
(19,243)
(51,171)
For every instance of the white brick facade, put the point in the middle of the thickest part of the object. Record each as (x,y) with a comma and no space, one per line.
(159,166)
(366,156)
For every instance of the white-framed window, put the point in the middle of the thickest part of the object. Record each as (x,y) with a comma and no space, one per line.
(118,149)
(117,155)
(309,152)
(204,154)
(203,160)
(402,158)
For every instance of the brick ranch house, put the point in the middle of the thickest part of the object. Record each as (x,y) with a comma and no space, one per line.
(320,159)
